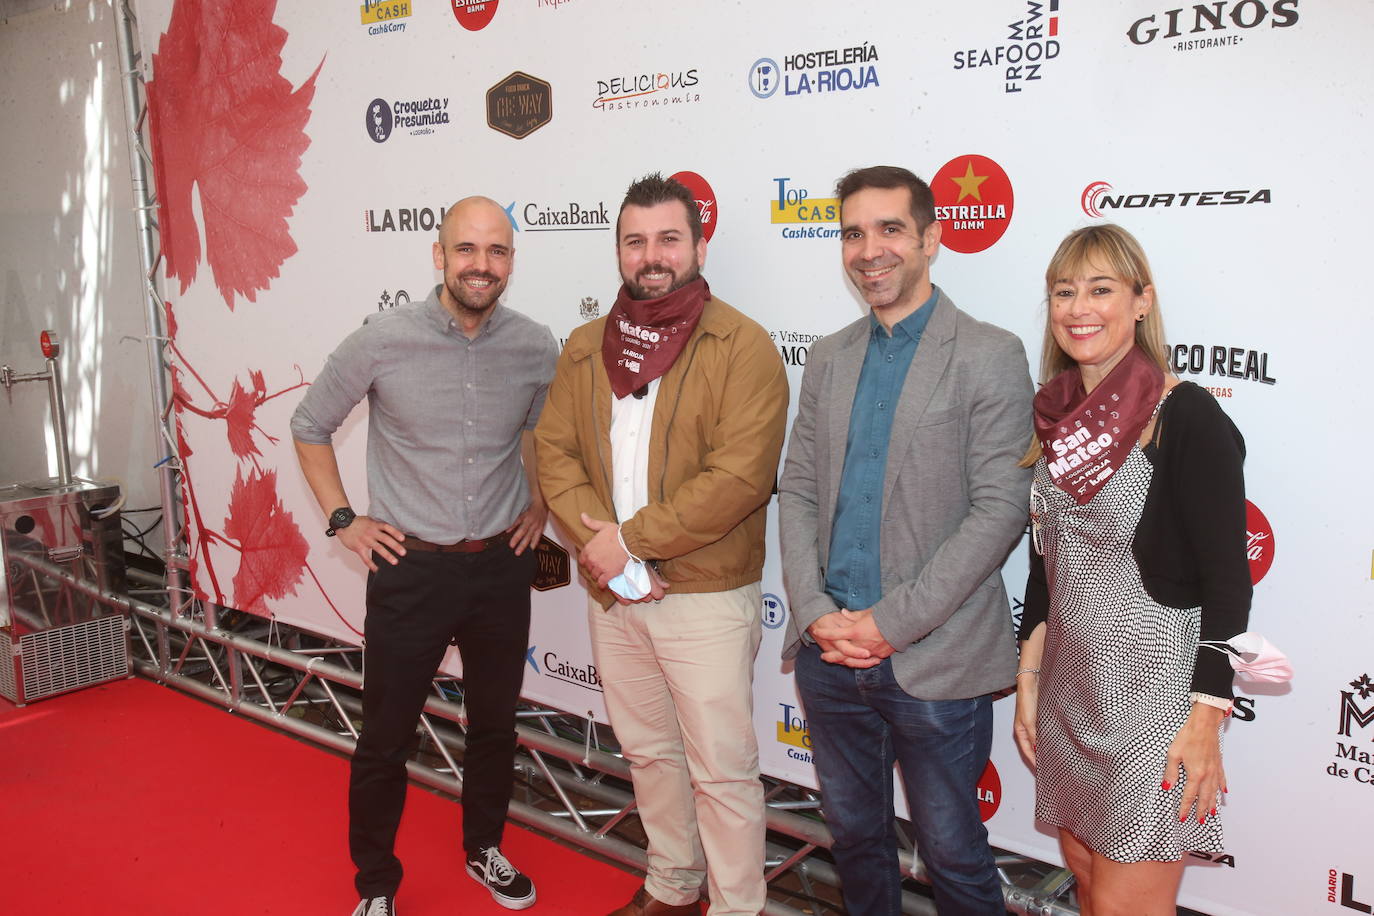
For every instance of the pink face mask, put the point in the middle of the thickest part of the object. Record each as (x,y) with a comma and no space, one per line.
(1255,657)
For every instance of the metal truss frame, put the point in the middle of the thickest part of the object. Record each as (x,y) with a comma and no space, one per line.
(309,687)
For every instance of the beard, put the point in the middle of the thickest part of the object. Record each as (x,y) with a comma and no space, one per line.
(471,300)
(639,291)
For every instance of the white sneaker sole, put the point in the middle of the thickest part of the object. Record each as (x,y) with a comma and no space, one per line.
(510,903)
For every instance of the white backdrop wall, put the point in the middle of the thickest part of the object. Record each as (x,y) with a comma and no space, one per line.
(1230,137)
(68,252)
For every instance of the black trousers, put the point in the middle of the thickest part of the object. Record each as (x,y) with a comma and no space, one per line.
(481,602)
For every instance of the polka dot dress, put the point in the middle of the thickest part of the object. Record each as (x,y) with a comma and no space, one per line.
(1114,679)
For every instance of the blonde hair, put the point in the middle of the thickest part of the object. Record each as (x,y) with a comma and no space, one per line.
(1104,246)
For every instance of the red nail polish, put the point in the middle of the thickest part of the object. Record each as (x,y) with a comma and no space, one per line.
(1214,812)
(1183,819)
(1165,785)
(1201,821)
(1225,790)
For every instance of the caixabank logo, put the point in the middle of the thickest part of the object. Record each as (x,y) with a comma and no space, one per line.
(385,16)
(1101,200)
(649,89)
(474,15)
(805,73)
(1223,362)
(404,219)
(1025,51)
(801,215)
(416,117)
(569,216)
(1207,26)
(973,202)
(578,672)
(705,196)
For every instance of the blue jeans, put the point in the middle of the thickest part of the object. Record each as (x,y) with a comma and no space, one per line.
(860,720)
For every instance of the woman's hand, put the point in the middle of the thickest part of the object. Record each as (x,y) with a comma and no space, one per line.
(1197,751)
(1027,698)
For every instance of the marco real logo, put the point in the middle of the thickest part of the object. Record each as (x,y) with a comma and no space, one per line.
(1025,49)
(1222,362)
(705,198)
(973,202)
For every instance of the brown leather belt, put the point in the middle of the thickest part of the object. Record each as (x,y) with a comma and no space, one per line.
(474,545)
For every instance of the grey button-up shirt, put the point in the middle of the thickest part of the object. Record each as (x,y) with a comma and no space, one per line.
(445,415)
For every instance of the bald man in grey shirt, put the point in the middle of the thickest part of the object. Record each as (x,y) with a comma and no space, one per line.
(454,385)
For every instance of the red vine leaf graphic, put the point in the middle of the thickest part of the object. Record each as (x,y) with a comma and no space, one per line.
(225,120)
(273,551)
(239,416)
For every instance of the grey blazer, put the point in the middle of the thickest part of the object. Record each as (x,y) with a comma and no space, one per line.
(954,501)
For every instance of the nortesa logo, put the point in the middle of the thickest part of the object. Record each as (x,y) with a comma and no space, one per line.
(705,198)
(1095,199)
(474,15)
(973,201)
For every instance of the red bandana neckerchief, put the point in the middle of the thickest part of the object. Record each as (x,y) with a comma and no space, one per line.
(1085,437)
(644,337)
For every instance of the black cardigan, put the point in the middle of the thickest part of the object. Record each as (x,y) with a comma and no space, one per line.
(1190,544)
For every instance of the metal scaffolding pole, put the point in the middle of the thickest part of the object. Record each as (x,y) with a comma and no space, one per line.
(175,554)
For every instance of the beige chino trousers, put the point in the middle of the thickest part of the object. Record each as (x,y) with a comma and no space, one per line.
(678,677)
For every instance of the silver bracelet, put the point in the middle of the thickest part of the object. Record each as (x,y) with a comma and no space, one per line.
(1027,671)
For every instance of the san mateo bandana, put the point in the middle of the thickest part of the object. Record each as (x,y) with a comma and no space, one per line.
(644,337)
(1086,437)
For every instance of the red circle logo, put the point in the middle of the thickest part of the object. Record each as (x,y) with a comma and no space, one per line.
(989,792)
(705,198)
(1259,542)
(474,15)
(973,202)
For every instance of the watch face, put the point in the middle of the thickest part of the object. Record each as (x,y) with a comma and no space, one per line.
(342,518)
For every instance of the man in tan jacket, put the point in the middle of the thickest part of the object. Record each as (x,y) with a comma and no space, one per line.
(658,452)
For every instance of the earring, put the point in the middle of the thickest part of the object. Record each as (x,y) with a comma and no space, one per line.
(1139,317)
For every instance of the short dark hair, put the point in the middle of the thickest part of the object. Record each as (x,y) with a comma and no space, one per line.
(653,189)
(891,176)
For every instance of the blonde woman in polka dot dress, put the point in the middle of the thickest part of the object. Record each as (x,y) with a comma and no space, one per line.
(1138,515)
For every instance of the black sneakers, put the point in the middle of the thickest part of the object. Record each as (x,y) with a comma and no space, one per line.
(376,906)
(501,879)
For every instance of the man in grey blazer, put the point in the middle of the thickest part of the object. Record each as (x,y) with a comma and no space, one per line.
(899,501)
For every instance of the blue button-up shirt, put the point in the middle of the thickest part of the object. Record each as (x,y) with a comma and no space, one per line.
(854,575)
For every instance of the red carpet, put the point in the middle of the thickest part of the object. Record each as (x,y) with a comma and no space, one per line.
(133,798)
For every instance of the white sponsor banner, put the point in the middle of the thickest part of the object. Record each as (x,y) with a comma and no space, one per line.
(304,183)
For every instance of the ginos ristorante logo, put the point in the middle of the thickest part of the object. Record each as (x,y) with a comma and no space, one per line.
(474,15)
(973,202)
(989,792)
(705,198)
(1259,542)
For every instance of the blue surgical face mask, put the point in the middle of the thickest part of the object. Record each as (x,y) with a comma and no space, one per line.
(633,583)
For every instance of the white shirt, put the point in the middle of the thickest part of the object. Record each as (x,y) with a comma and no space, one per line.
(631,421)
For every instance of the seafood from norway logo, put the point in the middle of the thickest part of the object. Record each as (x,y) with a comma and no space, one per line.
(974,201)
(647,90)
(801,215)
(1030,43)
(1259,542)
(474,15)
(705,198)
(380,15)
(1095,199)
(1194,26)
(811,72)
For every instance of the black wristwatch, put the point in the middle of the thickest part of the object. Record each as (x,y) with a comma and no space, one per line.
(339,518)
